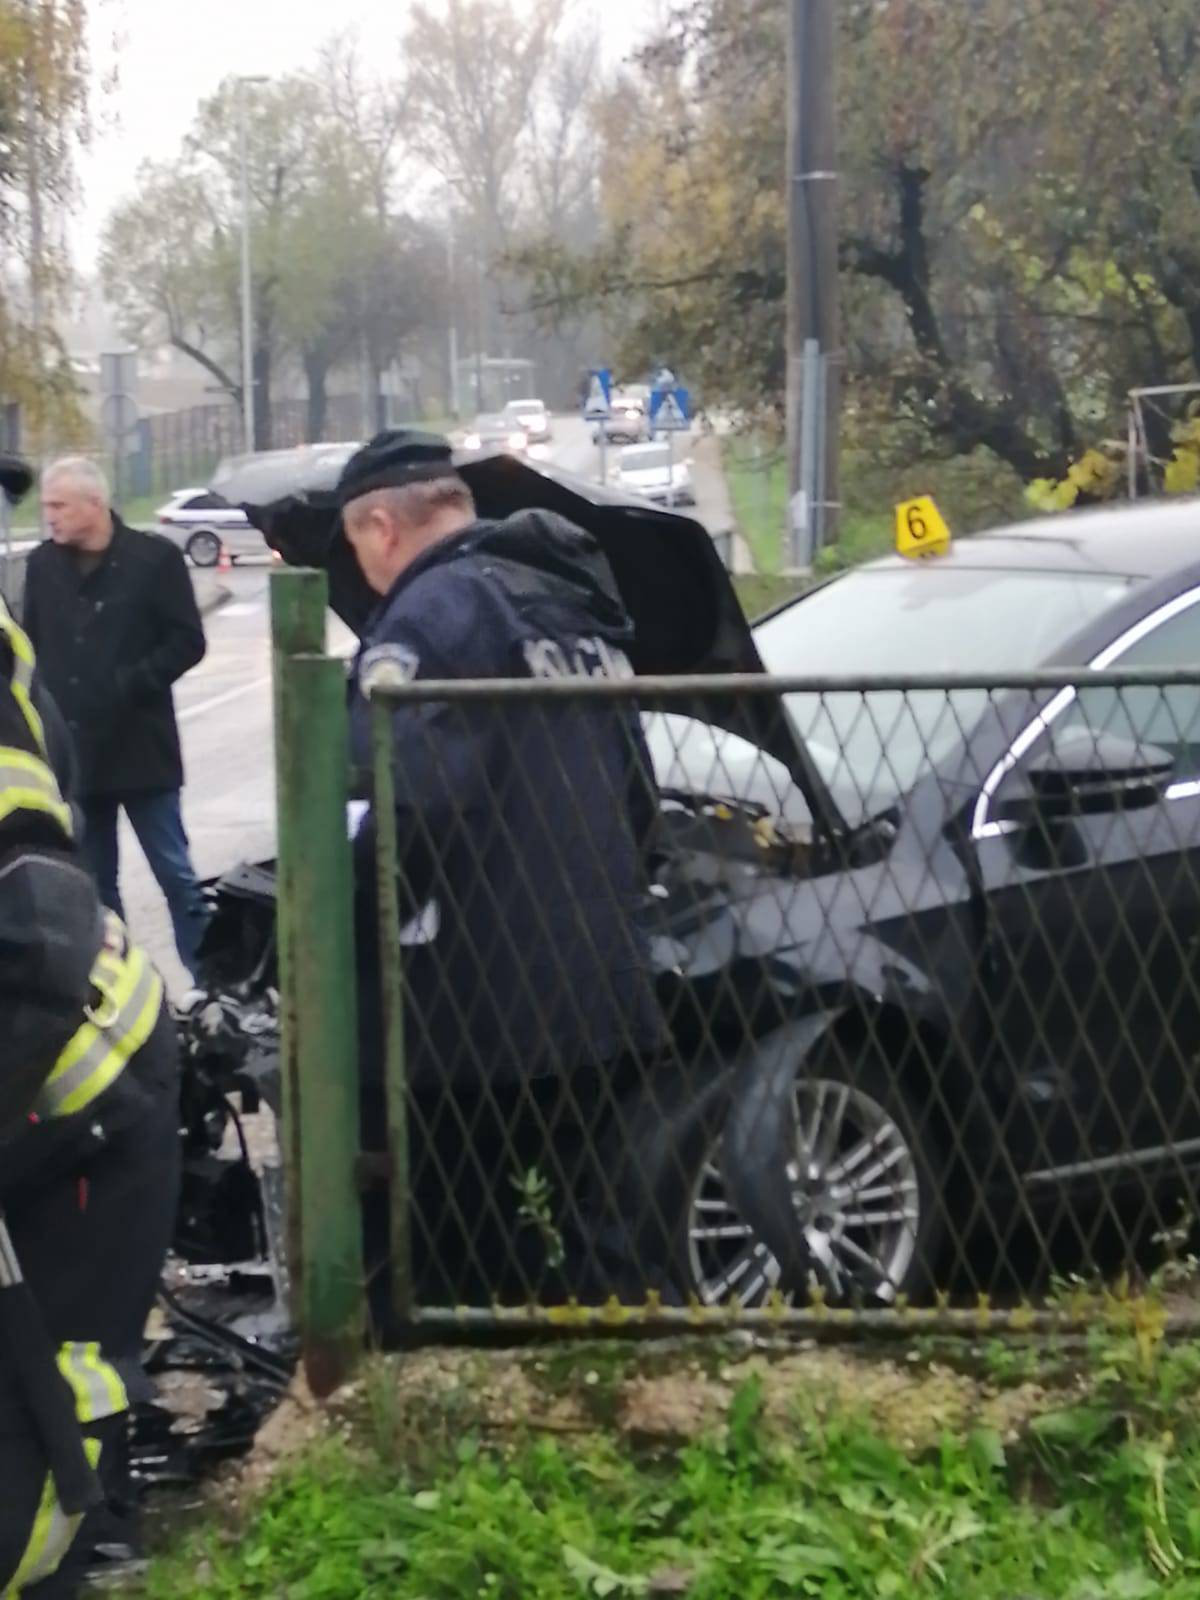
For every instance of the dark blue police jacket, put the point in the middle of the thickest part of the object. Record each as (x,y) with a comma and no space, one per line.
(519,824)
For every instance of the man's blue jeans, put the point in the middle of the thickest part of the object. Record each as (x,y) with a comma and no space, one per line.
(158,823)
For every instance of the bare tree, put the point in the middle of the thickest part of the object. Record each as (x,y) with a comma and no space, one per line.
(563,160)
(469,93)
(370,118)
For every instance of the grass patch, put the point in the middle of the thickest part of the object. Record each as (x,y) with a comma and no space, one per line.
(139,510)
(760,592)
(809,1472)
(975,491)
(756,472)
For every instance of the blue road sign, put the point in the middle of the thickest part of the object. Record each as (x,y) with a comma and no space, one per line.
(670,410)
(598,404)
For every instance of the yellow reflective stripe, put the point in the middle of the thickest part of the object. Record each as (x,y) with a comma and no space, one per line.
(22,680)
(28,784)
(21,762)
(77,1381)
(49,1540)
(96,1385)
(29,711)
(51,1535)
(109,1382)
(14,800)
(130,997)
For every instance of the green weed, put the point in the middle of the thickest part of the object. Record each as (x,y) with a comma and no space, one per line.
(1097,1501)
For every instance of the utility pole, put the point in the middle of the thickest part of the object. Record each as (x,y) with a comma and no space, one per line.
(480,323)
(813,365)
(247,283)
(452,286)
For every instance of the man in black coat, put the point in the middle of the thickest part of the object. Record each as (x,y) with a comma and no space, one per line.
(113,618)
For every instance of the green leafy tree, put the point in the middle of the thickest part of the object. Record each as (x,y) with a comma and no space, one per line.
(497,99)
(1020,213)
(43,120)
(332,269)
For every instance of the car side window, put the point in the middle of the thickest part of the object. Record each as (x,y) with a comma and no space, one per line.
(1167,717)
(202,502)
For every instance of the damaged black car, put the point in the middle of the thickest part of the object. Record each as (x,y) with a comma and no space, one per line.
(924,939)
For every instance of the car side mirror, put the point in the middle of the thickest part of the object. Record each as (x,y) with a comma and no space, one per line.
(1081,773)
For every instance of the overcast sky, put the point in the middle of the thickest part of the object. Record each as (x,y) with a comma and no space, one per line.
(172,53)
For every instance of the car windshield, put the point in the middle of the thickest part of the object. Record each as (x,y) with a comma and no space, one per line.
(647,459)
(524,408)
(915,618)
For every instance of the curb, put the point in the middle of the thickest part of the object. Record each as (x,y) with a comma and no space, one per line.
(710,467)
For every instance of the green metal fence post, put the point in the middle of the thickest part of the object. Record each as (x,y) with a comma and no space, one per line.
(391,980)
(317,983)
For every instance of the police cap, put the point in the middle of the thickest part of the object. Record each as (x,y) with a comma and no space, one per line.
(392,459)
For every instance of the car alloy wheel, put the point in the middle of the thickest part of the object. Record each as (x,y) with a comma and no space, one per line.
(724,1256)
(855,1190)
(204,548)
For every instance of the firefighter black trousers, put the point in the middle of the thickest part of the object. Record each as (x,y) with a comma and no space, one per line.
(91,1223)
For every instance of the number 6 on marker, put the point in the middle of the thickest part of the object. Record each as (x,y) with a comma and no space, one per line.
(921,529)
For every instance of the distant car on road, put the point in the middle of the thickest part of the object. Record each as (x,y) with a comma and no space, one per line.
(202,524)
(657,473)
(626,422)
(496,432)
(532,417)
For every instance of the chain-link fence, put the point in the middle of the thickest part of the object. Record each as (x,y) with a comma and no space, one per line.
(756,994)
(170,450)
(177,449)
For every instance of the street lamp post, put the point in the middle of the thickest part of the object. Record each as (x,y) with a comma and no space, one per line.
(480,321)
(247,286)
(452,279)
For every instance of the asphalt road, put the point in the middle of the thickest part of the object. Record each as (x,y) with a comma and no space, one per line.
(225,718)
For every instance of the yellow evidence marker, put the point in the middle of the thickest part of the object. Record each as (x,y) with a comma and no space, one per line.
(921,529)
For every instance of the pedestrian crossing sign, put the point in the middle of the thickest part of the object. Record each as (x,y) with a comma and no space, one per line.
(598,404)
(669,411)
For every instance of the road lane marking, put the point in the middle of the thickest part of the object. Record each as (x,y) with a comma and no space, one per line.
(342,651)
(219,700)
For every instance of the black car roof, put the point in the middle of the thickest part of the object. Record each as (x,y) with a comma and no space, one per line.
(1146,540)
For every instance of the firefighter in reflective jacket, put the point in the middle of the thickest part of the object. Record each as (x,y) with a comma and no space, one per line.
(89,1156)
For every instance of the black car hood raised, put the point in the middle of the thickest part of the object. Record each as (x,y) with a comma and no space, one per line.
(687,619)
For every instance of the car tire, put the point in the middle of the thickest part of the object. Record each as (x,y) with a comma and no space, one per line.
(653,1154)
(849,1115)
(203,549)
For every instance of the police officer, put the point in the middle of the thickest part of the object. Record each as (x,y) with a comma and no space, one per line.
(527,994)
(89,1154)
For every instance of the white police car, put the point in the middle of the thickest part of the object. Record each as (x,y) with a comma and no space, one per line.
(201,523)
